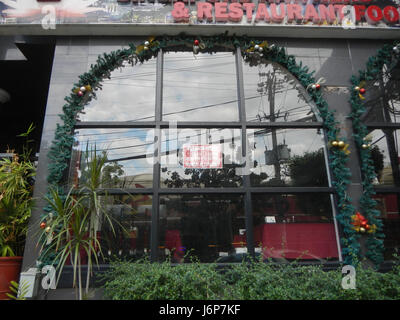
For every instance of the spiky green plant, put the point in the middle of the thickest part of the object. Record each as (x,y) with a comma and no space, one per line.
(73,227)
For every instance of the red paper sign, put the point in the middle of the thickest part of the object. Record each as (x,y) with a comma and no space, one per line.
(199,156)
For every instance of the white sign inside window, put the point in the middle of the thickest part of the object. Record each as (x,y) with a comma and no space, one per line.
(270,219)
(200,156)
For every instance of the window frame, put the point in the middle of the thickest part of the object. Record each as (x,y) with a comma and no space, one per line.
(246,189)
(384,126)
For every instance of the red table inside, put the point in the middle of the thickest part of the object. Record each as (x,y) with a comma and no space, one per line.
(299,241)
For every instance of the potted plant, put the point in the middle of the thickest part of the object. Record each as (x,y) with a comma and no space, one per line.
(16,203)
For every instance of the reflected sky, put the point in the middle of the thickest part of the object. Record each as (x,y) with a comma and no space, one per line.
(130,148)
(272,94)
(128,96)
(200,87)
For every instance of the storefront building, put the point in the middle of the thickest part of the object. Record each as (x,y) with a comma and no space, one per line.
(228,128)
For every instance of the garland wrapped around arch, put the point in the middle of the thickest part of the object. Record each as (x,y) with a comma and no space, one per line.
(252,49)
(388,55)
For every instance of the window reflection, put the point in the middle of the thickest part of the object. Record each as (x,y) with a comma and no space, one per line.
(200,88)
(198,158)
(288,227)
(287,157)
(272,94)
(385,157)
(201,226)
(128,96)
(382,97)
(131,236)
(128,152)
(388,205)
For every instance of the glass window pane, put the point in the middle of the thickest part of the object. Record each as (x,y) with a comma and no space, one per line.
(385,156)
(208,227)
(131,236)
(128,153)
(288,227)
(382,97)
(128,96)
(287,157)
(200,88)
(201,158)
(388,205)
(272,94)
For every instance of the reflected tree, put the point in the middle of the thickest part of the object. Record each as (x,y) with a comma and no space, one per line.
(309,170)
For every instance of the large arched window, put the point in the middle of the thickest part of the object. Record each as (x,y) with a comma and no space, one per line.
(211,156)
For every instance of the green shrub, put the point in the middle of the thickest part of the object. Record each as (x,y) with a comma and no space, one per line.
(143,280)
(161,281)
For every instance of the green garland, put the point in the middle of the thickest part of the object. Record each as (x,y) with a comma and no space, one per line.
(385,56)
(60,152)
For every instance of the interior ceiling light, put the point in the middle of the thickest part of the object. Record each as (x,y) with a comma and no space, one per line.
(4,96)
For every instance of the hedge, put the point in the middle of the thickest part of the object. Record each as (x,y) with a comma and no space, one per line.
(255,280)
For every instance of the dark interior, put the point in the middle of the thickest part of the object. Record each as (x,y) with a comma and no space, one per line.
(27,83)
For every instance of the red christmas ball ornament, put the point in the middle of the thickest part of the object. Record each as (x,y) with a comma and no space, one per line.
(80,93)
(363,223)
(196,42)
(367,227)
(43,225)
(317,86)
(362,90)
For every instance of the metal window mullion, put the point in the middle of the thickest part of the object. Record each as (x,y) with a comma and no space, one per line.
(157,159)
(194,124)
(238,190)
(114,124)
(332,198)
(382,125)
(246,177)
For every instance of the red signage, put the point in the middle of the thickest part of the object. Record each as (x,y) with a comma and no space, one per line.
(276,11)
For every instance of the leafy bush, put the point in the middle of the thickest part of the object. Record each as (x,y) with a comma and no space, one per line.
(16,202)
(143,280)
(152,281)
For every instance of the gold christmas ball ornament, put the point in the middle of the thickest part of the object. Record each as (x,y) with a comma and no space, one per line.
(357,88)
(335,143)
(340,144)
(48,229)
(362,230)
(364,146)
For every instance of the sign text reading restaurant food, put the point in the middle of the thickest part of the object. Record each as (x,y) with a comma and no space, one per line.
(317,12)
(276,11)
